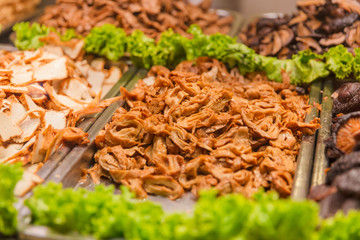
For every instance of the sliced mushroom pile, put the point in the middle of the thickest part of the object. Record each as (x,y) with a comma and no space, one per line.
(200,126)
(11,10)
(152,17)
(318,25)
(43,94)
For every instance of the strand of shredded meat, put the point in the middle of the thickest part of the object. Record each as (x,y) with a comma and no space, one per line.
(151,16)
(199,127)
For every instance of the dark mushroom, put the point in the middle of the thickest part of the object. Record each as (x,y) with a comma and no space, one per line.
(343,164)
(345,136)
(346,98)
(286,35)
(302,17)
(334,39)
(302,30)
(277,43)
(310,43)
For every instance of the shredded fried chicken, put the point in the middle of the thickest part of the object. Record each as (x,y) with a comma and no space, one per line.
(200,126)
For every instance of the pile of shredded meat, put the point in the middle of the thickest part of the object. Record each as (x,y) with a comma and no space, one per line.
(200,126)
(151,16)
(318,25)
(43,94)
(11,10)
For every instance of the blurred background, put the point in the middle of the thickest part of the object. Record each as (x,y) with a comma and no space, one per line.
(248,8)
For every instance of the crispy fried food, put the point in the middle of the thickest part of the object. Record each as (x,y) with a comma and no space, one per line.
(200,126)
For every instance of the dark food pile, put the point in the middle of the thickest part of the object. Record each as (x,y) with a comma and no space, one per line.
(342,188)
(200,126)
(150,16)
(318,25)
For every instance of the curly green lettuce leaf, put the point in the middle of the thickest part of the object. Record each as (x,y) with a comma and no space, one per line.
(341,227)
(107,40)
(28,35)
(282,219)
(140,48)
(340,61)
(195,47)
(218,45)
(356,64)
(244,58)
(69,34)
(10,175)
(169,50)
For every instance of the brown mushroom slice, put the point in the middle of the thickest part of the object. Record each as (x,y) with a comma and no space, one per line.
(277,43)
(286,35)
(306,3)
(55,70)
(302,17)
(8,130)
(313,24)
(163,186)
(302,30)
(310,42)
(334,39)
(350,36)
(348,135)
(266,49)
(348,5)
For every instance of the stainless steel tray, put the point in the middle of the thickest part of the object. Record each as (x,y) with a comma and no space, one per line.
(69,172)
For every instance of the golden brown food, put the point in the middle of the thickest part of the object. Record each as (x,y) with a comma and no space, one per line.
(200,126)
(151,16)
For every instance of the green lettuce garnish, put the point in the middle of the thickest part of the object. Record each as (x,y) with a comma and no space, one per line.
(340,61)
(107,40)
(27,36)
(9,176)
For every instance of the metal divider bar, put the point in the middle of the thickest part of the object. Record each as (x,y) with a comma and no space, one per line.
(320,160)
(305,159)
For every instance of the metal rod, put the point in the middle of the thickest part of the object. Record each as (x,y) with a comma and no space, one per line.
(305,159)
(320,160)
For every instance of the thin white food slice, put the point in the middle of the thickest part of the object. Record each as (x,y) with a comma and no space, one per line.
(55,70)
(8,130)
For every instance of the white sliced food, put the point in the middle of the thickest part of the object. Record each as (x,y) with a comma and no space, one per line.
(114,75)
(29,126)
(29,103)
(28,181)
(75,89)
(82,67)
(22,75)
(9,151)
(96,80)
(56,119)
(75,51)
(12,89)
(38,156)
(36,90)
(54,70)
(8,130)
(149,80)
(56,50)
(68,102)
(32,55)
(98,64)
(17,111)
